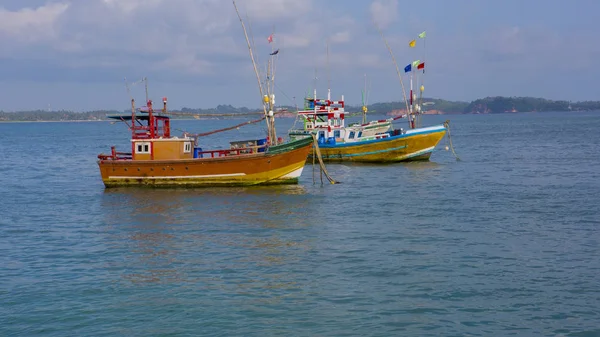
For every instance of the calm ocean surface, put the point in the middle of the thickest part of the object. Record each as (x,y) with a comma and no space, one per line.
(503,243)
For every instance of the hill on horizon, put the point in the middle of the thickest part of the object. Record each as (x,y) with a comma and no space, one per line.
(497,104)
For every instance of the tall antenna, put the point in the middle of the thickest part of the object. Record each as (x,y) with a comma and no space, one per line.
(146,87)
(397,69)
(127,87)
(365,101)
(328,74)
(315,86)
(260,87)
(251,36)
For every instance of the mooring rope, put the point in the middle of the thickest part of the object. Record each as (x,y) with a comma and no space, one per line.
(449,138)
(323,169)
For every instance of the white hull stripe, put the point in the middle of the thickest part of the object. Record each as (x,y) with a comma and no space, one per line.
(181,177)
(418,153)
(294,174)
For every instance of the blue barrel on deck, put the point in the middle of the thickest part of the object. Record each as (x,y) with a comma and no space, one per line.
(261,142)
(331,140)
(197,153)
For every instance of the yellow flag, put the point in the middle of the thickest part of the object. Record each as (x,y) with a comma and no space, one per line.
(412,43)
(422,35)
(416,63)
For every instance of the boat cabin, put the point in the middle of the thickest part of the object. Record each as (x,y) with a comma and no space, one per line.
(326,118)
(151,139)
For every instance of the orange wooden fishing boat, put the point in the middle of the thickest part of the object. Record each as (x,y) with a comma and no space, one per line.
(160,160)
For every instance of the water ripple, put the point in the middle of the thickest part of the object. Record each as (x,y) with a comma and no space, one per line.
(502,243)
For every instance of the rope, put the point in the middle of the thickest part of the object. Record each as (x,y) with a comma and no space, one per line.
(228,128)
(323,169)
(211,115)
(447,126)
(313,164)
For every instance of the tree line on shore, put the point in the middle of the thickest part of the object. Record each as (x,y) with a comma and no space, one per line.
(496,104)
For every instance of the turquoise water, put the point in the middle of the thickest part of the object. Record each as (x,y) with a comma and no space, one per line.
(502,243)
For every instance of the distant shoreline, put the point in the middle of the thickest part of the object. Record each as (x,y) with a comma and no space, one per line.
(56,121)
(391,114)
(488,105)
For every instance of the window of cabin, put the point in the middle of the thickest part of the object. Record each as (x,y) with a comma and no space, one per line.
(187,147)
(359,134)
(142,148)
(321,134)
(351,135)
(336,133)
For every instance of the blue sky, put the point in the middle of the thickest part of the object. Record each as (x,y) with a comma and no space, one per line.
(75,54)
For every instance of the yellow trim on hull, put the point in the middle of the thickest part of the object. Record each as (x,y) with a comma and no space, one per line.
(283,164)
(412,147)
(272,177)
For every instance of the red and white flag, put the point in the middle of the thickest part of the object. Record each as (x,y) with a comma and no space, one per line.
(270,38)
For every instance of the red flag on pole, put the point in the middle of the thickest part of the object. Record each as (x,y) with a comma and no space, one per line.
(270,38)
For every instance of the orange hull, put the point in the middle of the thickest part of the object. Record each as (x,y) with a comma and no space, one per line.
(281,164)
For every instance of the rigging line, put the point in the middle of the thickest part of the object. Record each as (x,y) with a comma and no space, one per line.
(283,93)
(251,34)
(212,115)
(227,128)
(127,87)
(395,63)
(328,71)
(260,87)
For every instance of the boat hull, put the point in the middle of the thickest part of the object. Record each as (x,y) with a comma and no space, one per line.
(282,164)
(415,145)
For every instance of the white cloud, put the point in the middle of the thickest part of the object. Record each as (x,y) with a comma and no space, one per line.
(340,37)
(29,25)
(275,9)
(128,6)
(182,37)
(188,63)
(384,12)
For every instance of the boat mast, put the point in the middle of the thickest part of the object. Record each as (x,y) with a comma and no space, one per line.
(423,36)
(410,113)
(364,102)
(397,69)
(146,87)
(271,88)
(315,93)
(270,130)
(328,74)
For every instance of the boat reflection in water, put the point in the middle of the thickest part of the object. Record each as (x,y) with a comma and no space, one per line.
(229,239)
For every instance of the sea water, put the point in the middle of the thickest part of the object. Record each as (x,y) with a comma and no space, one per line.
(503,242)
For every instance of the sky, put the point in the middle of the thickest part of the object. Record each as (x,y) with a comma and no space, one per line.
(78,54)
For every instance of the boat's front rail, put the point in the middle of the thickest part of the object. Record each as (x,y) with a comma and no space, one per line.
(114,155)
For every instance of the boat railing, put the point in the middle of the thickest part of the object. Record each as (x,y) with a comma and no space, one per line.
(230,152)
(114,155)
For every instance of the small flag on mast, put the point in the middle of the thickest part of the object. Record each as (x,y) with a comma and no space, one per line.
(275,52)
(408,68)
(412,43)
(422,35)
(421,65)
(416,63)
(270,38)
